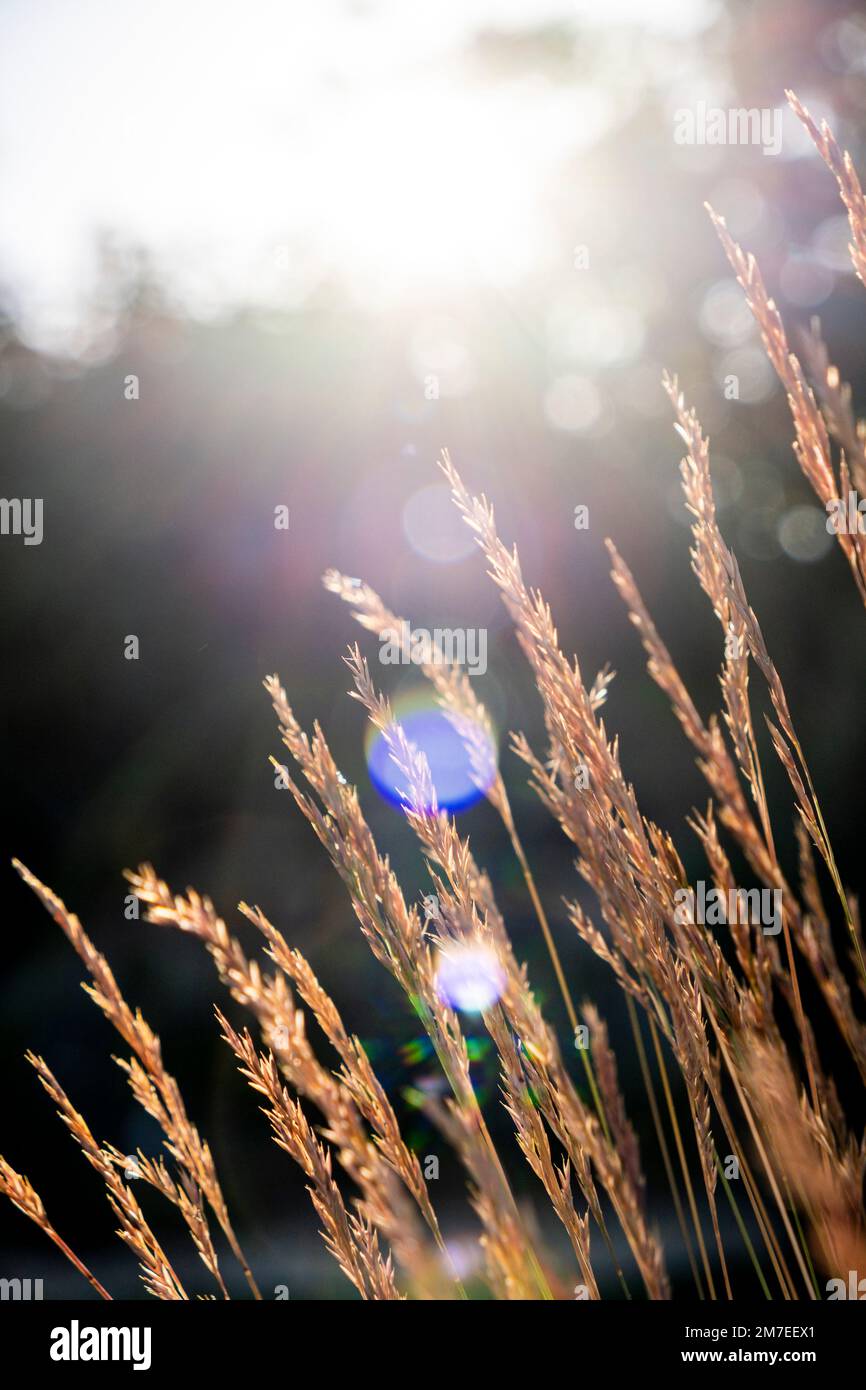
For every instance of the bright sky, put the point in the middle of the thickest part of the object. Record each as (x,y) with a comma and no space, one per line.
(247,144)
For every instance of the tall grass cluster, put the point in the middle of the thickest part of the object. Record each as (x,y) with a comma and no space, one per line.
(715,1009)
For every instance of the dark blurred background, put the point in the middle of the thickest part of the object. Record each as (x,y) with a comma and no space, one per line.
(329,241)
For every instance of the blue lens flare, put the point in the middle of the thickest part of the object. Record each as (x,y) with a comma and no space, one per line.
(432,733)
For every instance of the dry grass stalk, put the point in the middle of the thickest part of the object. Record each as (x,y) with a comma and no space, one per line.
(157,1274)
(816,942)
(183,1194)
(351,1240)
(396,937)
(472,722)
(719,576)
(155,1089)
(357,1074)
(718,1017)
(717,572)
(758,956)
(840,164)
(283,1028)
(826,1177)
(535,1145)
(812,443)
(467,912)
(24,1196)
(628,862)
(835,397)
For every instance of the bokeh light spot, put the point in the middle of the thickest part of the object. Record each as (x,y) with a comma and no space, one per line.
(803,534)
(469,977)
(572,404)
(455,781)
(434,528)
